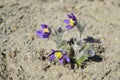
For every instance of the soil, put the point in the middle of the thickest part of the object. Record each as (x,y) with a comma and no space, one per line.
(23,55)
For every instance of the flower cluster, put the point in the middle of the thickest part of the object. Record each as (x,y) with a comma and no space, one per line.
(80,50)
(71,22)
(45,32)
(61,55)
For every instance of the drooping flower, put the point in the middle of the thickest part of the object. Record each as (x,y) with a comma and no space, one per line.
(71,22)
(60,55)
(44,32)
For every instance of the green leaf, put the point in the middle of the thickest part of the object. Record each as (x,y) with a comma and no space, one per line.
(81,60)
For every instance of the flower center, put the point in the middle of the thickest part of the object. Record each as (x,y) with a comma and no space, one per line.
(72,22)
(58,55)
(45,30)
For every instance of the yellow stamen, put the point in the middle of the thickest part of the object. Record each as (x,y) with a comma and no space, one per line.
(46,30)
(58,55)
(72,22)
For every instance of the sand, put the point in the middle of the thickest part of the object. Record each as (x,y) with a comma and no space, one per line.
(22,52)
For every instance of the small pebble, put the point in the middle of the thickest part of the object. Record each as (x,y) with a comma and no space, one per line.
(116,39)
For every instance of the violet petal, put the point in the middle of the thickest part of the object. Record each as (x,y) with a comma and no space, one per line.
(61,61)
(52,57)
(67,58)
(53,51)
(67,21)
(73,16)
(46,35)
(69,16)
(39,33)
(69,27)
(43,26)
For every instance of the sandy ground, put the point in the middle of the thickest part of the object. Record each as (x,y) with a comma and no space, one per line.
(22,52)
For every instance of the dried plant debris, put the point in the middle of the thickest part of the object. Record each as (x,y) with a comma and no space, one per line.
(1,20)
(3,66)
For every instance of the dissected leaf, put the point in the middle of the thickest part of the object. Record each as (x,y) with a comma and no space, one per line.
(81,60)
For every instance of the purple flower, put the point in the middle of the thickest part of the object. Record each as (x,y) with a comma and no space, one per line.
(44,32)
(71,22)
(61,55)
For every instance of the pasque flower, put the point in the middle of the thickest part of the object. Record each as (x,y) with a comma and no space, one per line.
(44,32)
(60,55)
(71,22)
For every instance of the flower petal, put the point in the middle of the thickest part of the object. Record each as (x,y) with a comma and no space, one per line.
(43,26)
(39,33)
(69,27)
(67,21)
(67,58)
(61,61)
(73,16)
(53,51)
(46,35)
(70,16)
(52,57)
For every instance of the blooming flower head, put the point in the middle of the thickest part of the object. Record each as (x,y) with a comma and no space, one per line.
(44,32)
(71,22)
(59,55)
